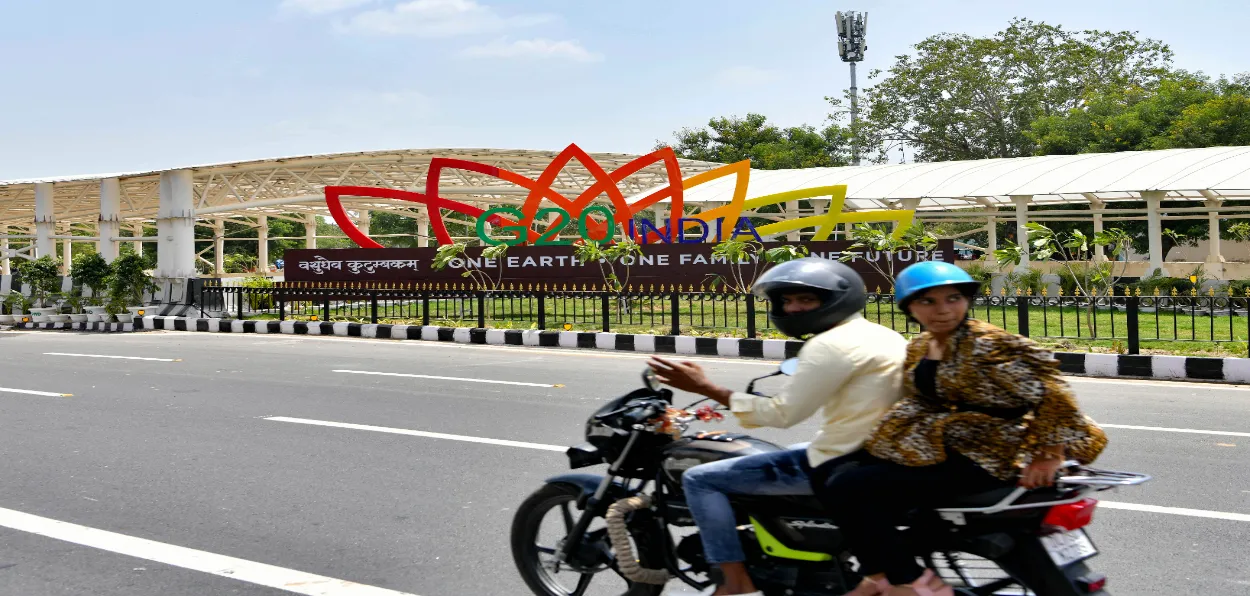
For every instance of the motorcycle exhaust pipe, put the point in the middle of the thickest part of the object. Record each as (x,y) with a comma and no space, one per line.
(618,535)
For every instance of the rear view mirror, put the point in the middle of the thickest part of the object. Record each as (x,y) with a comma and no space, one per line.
(789,366)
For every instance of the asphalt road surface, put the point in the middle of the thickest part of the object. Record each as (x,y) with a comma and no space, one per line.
(219,464)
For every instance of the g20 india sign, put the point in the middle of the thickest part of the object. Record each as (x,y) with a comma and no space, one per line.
(534,228)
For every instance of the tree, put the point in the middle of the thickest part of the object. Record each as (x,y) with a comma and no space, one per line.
(482,278)
(767,146)
(741,254)
(868,237)
(963,97)
(1074,250)
(607,258)
(92,271)
(43,276)
(1183,110)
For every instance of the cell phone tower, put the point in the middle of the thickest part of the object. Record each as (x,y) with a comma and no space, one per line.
(852,31)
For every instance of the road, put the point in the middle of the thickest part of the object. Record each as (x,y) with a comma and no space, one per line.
(169,476)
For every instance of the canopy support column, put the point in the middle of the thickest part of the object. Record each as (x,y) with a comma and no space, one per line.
(310,230)
(992,238)
(262,243)
(67,250)
(792,211)
(1154,226)
(45,220)
(175,226)
(136,230)
(219,246)
(109,225)
(1022,228)
(1096,204)
(423,229)
(4,251)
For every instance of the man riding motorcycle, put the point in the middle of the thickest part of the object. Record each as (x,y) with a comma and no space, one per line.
(851,368)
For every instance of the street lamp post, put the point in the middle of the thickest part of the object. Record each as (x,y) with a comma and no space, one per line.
(852,29)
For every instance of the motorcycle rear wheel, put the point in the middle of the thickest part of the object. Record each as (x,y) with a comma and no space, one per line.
(533,558)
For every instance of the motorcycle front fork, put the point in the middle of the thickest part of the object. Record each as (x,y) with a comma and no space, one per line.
(596,506)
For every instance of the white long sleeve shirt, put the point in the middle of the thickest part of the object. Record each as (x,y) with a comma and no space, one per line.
(853,371)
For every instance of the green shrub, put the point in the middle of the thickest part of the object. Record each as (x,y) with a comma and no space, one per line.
(1029,279)
(980,272)
(259,301)
(91,271)
(43,275)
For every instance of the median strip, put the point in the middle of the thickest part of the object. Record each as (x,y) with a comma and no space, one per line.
(438,378)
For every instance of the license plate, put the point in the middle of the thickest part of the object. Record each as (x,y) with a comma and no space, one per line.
(1069,547)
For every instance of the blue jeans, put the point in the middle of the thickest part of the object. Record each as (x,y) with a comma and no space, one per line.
(708,487)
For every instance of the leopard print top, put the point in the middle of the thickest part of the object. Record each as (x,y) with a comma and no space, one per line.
(986,367)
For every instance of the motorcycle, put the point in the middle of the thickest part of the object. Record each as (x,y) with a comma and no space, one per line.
(632,522)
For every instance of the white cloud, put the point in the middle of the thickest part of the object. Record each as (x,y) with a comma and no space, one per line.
(746,76)
(438,18)
(534,48)
(320,7)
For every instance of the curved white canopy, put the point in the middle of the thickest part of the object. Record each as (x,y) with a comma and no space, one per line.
(1214,172)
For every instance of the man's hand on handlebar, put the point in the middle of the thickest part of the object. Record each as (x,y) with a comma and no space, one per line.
(688,376)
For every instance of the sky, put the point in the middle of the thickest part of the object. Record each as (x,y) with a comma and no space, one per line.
(94,87)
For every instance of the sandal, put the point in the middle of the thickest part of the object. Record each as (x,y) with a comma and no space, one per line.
(924,587)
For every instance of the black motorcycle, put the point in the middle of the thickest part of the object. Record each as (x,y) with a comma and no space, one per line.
(631,527)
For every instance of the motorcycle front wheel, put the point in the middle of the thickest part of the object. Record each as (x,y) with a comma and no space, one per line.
(541,524)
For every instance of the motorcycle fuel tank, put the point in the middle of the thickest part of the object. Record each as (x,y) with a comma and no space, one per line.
(689,452)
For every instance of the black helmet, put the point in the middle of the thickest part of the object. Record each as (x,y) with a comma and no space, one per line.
(840,288)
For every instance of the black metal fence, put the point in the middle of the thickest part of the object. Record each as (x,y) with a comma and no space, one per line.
(1126,320)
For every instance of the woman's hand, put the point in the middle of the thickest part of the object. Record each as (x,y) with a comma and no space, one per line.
(1041,471)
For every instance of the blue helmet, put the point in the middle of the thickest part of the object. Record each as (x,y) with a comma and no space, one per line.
(921,277)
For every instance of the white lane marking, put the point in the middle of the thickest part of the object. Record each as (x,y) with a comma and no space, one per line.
(419,433)
(1176,430)
(1176,511)
(416,433)
(251,572)
(114,357)
(29,392)
(1176,384)
(438,378)
(584,352)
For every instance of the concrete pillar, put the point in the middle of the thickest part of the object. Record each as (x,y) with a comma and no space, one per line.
(362,222)
(792,211)
(175,226)
(262,243)
(4,251)
(1022,230)
(136,230)
(45,219)
(908,205)
(992,238)
(219,246)
(423,231)
(67,251)
(310,230)
(109,225)
(1213,219)
(1154,227)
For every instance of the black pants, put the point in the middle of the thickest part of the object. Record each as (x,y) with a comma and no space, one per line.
(867,496)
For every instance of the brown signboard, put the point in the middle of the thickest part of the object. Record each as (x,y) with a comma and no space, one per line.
(685,264)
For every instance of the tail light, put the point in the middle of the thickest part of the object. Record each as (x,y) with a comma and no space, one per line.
(1071,516)
(1092,584)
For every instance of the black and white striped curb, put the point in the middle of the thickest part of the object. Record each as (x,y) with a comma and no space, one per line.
(1236,370)
(97,326)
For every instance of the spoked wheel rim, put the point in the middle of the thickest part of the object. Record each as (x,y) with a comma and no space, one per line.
(550,523)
